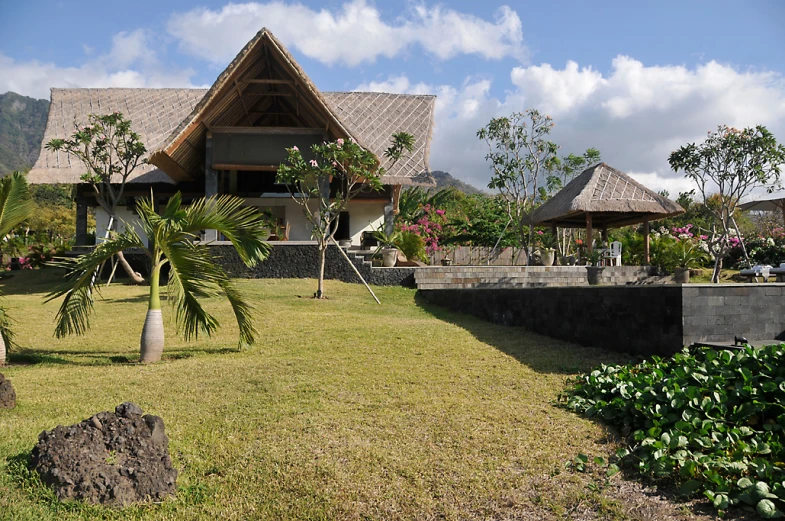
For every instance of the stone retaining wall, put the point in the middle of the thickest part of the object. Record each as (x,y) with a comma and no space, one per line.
(643,320)
(476,277)
(289,260)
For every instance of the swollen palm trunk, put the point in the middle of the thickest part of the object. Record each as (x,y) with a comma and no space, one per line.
(2,351)
(152,343)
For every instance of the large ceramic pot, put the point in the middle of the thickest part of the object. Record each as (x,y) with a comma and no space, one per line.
(594,273)
(390,256)
(681,275)
(547,256)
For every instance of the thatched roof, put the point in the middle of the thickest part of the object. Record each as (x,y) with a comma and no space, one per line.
(154,113)
(612,197)
(262,87)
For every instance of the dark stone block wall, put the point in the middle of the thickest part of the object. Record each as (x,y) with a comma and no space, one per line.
(642,320)
(302,261)
(717,313)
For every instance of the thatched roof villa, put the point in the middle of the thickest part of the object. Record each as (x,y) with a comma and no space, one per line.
(231,137)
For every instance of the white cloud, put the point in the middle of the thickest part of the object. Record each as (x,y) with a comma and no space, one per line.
(130,62)
(636,115)
(351,35)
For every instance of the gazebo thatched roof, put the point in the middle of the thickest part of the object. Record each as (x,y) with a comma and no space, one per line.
(263,86)
(612,198)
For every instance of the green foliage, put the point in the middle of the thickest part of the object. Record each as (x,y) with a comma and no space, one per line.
(15,207)
(520,156)
(193,276)
(711,421)
(338,172)
(762,251)
(733,162)
(53,195)
(110,151)
(483,222)
(412,246)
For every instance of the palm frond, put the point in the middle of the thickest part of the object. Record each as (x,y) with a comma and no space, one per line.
(242,225)
(16,205)
(242,312)
(192,276)
(73,317)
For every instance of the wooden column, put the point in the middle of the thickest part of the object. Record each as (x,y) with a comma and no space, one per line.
(589,239)
(81,216)
(646,260)
(210,182)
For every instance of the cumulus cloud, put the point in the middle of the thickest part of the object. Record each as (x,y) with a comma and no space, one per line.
(130,62)
(353,34)
(636,115)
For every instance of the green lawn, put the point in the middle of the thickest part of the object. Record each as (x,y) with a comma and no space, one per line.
(343,410)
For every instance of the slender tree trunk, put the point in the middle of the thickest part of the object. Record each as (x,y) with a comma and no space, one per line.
(715,276)
(322,258)
(152,341)
(3,351)
(135,276)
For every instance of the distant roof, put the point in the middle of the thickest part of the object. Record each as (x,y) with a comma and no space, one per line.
(612,197)
(172,123)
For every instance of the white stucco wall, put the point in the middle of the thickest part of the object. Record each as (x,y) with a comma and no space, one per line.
(124,217)
(363,216)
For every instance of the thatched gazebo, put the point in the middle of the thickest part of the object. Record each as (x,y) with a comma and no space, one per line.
(603,197)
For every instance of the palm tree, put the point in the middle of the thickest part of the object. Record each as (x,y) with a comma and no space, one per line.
(192,273)
(16,205)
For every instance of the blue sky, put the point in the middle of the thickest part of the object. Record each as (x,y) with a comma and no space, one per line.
(635,79)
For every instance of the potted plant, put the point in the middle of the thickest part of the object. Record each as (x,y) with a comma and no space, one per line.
(387,245)
(548,252)
(686,255)
(593,269)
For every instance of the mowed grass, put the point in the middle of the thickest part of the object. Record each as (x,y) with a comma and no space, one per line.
(343,410)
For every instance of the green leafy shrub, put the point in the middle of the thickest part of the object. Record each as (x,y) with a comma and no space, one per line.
(412,246)
(712,421)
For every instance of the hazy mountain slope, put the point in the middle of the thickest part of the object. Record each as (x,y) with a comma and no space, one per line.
(22,124)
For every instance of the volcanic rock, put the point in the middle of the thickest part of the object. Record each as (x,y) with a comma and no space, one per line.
(112,458)
(7,394)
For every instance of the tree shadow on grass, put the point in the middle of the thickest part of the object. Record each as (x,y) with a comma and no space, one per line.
(541,353)
(80,357)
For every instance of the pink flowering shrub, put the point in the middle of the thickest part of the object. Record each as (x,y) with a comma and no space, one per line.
(430,227)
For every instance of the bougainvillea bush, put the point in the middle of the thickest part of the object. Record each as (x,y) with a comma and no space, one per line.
(710,421)
(762,251)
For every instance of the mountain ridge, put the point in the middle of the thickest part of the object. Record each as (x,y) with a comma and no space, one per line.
(22,125)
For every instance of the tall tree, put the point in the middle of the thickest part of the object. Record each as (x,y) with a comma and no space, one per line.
(521,156)
(111,151)
(728,165)
(16,205)
(337,172)
(192,273)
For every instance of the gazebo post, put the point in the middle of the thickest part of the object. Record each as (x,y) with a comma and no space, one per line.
(646,260)
(589,240)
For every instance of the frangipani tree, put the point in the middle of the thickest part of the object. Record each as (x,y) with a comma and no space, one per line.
(726,167)
(16,205)
(337,172)
(192,273)
(110,152)
(521,156)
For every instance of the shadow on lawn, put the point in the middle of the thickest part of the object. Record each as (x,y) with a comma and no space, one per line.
(102,358)
(541,353)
